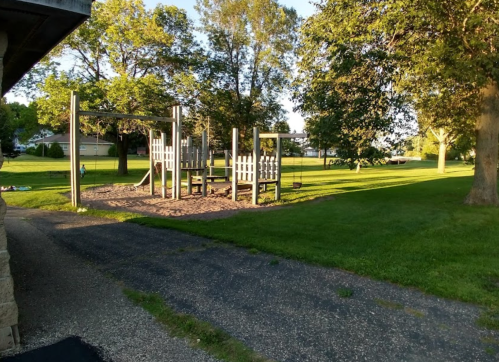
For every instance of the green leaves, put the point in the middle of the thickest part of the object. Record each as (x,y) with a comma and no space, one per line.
(249,65)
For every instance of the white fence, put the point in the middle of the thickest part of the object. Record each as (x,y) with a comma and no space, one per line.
(268,168)
(190,157)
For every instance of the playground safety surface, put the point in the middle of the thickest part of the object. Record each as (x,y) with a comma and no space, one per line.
(287,311)
(127,198)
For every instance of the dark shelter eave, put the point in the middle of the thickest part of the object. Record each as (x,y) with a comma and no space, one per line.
(33,28)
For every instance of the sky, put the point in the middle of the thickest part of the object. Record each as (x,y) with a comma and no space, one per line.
(303,7)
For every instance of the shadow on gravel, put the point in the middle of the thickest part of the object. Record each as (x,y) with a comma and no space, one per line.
(71,349)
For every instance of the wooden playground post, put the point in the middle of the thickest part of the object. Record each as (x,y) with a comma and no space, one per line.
(174,158)
(177,149)
(212,161)
(151,162)
(235,140)
(75,149)
(226,164)
(164,176)
(204,150)
(279,162)
(189,165)
(256,164)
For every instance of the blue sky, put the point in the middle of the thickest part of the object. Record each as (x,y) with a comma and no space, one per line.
(303,7)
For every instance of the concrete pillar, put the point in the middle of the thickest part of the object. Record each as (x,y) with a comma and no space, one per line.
(9,335)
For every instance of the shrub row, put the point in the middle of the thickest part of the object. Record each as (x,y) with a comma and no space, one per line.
(54,151)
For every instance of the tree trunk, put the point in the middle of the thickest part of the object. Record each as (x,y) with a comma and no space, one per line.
(358,167)
(484,188)
(325,158)
(442,149)
(443,141)
(122,148)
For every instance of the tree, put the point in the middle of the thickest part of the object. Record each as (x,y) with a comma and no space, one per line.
(443,108)
(41,150)
(431,41)
(248,67)
(55,151)
(6,127)
(323,134)
(344,87)
(125,58)
(24,118)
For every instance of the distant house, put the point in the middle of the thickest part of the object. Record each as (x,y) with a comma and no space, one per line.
(89,146)
(312,152)
(31,142)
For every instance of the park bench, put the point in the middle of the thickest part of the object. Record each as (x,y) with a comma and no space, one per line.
(58,173)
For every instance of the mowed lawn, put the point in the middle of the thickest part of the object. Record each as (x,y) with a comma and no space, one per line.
(401,223)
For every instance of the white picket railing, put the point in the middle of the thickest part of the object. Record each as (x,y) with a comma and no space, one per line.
(268,168)
(190,157)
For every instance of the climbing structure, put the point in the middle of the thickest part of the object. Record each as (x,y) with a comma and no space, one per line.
(255,169)
(179,156)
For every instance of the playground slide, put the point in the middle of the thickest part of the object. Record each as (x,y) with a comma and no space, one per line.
(145,180)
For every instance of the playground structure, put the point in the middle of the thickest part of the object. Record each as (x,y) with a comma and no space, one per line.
(248,171)
(184,157)
(256,169)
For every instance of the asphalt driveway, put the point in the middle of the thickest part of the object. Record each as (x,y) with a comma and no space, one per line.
(287,311)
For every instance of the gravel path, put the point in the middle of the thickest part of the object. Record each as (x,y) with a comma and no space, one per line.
(60,295)
(290,312)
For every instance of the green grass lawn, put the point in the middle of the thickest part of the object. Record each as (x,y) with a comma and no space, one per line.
(405,224)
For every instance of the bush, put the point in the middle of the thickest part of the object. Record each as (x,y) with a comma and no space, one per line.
(30,151)
(113,151)
(55,151)
(430,156)
(41,149)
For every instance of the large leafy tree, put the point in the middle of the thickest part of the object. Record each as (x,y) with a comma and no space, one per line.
(248,65)
(6,126)
(125,58)
(24,118)
(345,88)
(431,41)
(447,112)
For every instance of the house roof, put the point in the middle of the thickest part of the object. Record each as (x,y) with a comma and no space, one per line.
(64,138)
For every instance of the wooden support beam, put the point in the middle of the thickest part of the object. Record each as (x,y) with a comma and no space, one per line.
(178,147)
(74,130)
(212,161)
(279,162)
(227,164)
(256,165)
(235,151)
(189,165)
(152,161)
(127,116)
(204,159)
(164,178)
(176,167)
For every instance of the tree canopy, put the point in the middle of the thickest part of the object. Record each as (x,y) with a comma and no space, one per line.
(125,58)
(247,66)
(450,45)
